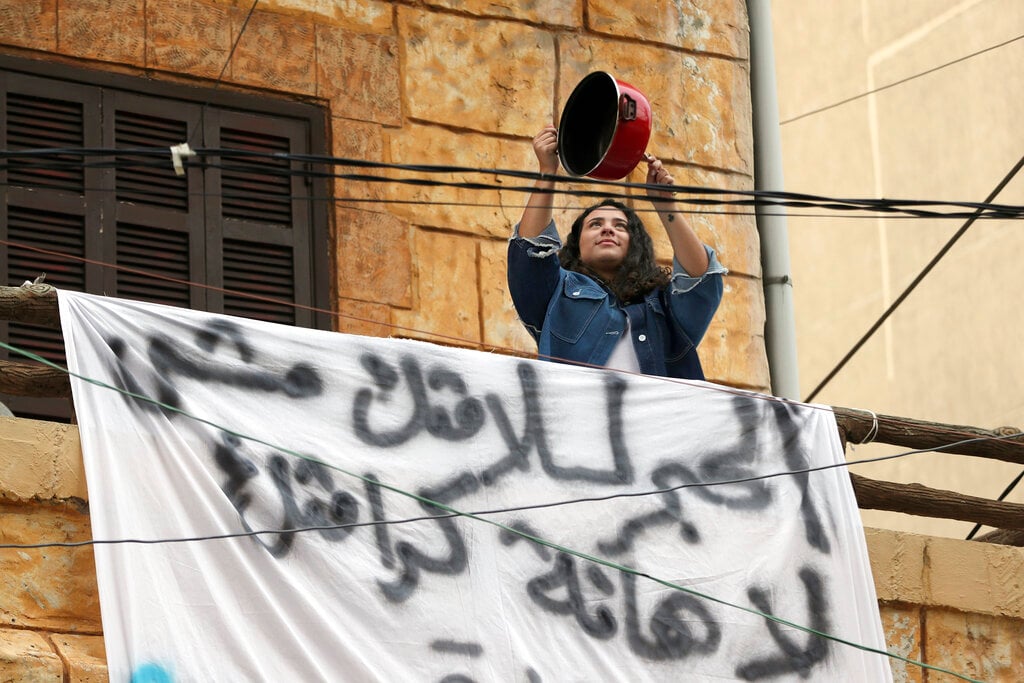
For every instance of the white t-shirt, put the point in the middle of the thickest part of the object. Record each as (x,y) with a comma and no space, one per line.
(624,355)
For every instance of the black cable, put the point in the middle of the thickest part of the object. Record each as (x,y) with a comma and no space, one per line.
(497,511)
(491,205)
(796,199)
(917,280)
(756,197)
(200,123)
(899,82)
(1002,496)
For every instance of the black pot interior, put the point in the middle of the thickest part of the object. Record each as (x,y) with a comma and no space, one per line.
(588,123)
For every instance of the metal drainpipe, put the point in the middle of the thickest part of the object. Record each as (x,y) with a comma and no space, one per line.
(780,326)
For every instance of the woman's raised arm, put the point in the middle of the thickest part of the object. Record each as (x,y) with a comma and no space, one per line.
(538,211)
(686,246)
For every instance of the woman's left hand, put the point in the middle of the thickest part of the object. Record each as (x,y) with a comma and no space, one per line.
(657,174)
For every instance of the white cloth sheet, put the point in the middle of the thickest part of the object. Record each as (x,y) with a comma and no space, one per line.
(450,599)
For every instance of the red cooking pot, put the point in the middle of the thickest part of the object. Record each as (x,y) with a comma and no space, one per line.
(604,128)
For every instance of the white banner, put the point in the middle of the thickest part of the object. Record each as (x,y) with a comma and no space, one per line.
(294,428)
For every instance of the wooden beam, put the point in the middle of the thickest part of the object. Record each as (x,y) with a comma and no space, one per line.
(1003,537)
(34,380)
(915,499)
(36,304)
(856,425)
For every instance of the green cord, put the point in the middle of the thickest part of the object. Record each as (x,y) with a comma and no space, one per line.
(469,515)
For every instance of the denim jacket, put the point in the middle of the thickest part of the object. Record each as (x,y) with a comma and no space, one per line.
(573,317)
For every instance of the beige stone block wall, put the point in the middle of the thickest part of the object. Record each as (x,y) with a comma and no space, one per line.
(50,626)
(27,656)
(460,84)
(958,605)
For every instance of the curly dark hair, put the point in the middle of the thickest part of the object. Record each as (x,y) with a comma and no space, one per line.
(639,273)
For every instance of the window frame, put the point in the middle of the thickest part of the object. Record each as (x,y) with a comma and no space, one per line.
(214,105)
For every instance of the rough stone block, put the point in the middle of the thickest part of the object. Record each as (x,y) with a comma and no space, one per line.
(109,30)
(902,626)
(275,51)
(734,362)
(363,141)
(897,565)
(190,36)
(373,256)
(360,15)
(501,325)
(26,657)
(446,308)
(709,26)
(85,655)
(732,351)
(47,588)
(359,74)
(486,75)
(547,12)
(40,461)
(360,317)
(700,105)
(481,211)
(742,309)
(982,647)
(988,579)
(29,23)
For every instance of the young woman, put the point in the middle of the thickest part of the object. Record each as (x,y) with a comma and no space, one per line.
(602,299)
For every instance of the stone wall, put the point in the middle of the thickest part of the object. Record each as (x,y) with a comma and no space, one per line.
(49,605)
(462,83)
(953,604)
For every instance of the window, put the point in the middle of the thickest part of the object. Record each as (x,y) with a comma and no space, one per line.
(256,225)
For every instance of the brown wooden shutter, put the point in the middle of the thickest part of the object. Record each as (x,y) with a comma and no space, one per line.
(153,251)
(158,215)
(45,208)
(250,225)
(155,185)
(35,122)
(55,232)
(264,217)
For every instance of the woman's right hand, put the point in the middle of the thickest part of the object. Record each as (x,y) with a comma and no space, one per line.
(545,146)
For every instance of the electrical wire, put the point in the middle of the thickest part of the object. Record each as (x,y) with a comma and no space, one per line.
(351,200)
(754,478)
(1002,496)
(496,511)
(224,69)
(913,207)
(504,527)
(910,288)
(899,82)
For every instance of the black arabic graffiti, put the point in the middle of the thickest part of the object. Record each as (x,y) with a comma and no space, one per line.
(468,413)
(168,359)
(794,658)
(442,407)
(316,510)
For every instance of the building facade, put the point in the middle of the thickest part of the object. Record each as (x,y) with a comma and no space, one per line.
(949,352)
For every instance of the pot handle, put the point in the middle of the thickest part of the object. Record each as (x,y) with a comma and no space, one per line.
(627,108)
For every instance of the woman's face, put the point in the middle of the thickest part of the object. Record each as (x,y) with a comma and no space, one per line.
(604,241)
